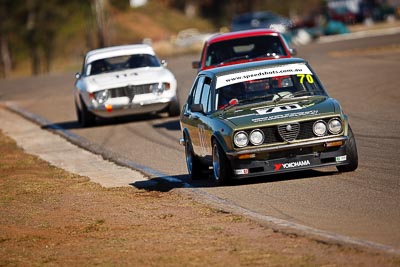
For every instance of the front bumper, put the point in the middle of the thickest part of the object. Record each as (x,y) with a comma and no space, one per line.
(288,158)
(122,108)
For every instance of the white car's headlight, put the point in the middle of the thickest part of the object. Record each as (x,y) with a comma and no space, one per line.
(102,96)
(241,139)
(320,128)
(157,88)
(256,137)
(335,126)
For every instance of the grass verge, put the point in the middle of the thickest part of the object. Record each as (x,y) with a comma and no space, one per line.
(49,217)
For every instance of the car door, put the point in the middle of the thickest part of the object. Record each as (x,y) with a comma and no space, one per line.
(196,116)
(204,125)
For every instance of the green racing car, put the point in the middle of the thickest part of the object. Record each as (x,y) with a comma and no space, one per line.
(262,118)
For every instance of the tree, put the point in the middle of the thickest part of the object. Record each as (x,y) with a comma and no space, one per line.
(42,20)
(101,23)
(8,27)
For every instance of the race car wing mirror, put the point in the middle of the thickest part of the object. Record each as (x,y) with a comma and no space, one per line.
(197,108)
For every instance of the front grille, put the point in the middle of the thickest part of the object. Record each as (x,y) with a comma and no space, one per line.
(283,133)
(131,90)
(271,135)
(289,132)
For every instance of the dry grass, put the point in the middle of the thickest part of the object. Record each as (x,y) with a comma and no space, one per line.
(49,217)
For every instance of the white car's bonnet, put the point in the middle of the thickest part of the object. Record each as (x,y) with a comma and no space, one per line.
(116,51)
(129,77)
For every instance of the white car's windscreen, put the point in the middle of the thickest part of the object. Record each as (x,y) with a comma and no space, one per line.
(121,63)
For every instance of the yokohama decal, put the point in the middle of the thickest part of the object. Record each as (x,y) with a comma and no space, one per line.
(290,165)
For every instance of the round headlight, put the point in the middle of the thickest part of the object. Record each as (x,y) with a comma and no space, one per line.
(241,139)
(157,88)
(319,128)
(102,96)
(256,137)
(335,126)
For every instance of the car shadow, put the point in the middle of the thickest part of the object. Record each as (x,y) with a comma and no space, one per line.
(172,125)
(164,184)
(101,122)
(67,125)
(306,174)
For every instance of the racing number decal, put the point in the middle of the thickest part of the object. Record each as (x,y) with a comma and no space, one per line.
(202,138)
(309,78)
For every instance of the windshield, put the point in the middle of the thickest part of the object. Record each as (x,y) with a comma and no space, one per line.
(273,88)
(121,63)
(244,48)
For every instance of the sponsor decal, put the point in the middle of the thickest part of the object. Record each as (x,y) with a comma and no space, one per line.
(290,165)
(286,116)
(278,166)
(202,138)
(241,171)
(291,69)
(269,110)
(341,158)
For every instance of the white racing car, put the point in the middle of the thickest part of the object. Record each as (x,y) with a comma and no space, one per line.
(124,80)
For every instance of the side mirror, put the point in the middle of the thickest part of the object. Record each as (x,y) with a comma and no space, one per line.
(196,64)
(164,63)
(197,108)
(77,75)
(293,51)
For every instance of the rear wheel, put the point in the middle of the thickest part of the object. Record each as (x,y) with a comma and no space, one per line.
(194,166)
(221,167)
(352,154)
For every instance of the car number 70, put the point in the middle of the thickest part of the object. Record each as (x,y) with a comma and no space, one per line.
(309,78)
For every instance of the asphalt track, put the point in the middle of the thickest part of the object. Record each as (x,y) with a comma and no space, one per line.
(362,206)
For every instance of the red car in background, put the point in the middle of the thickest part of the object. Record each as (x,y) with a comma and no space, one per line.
(242,46)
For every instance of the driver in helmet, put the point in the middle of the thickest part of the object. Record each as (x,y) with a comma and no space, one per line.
(230,95)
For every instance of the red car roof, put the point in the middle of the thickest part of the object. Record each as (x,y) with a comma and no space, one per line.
(221,37)
(240,34)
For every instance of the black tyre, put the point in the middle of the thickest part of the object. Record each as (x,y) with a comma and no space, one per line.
(78,113)
(85,117)
(221,168)
(174,109)
(352,154)
(193,164)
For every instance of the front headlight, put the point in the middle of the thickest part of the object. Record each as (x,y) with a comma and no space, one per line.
(319,128)
(241,139)
(102,96)
(335,126)
(256,137)
(157,88)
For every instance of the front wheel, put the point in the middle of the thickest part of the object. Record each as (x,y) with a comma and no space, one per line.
(352,154)
(174,109)
(221,167)
(85,117)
